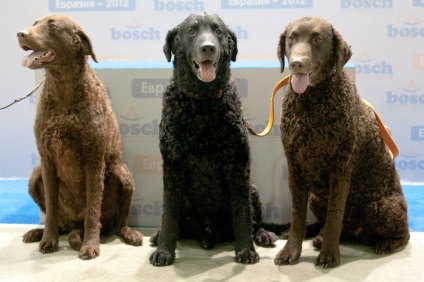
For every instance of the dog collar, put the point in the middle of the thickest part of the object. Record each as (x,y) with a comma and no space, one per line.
(196,96)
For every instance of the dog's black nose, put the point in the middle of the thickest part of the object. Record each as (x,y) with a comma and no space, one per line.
(208,48)
(297,65)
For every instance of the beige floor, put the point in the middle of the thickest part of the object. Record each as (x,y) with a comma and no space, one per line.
(120,262)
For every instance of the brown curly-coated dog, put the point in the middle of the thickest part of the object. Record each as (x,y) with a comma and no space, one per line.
(82,183)
(335,152)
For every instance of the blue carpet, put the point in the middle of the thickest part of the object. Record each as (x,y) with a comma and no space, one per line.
(16,206)
(414,195)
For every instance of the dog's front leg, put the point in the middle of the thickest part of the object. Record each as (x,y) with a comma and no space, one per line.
(173,183)
(50,240)
(242,221)
(94,175)
(291,251)
(329,255)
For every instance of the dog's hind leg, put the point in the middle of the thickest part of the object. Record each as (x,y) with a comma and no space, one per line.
(388,228)
(318,207)
(75,239)
(124,192)
(36,191)
(154,239)
(261,236)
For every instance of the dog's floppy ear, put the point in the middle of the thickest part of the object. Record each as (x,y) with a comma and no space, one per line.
(281,49)
(169,42)
(342,51)
(86,45)
(232,42)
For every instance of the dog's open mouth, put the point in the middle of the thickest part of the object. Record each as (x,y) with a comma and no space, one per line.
(206,70)
(37,58)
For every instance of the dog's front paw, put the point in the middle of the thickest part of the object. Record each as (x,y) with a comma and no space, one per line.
(247,256)
(265,238)
(89,252)
(133,237)
(161,257)
(33,235)
(288,255)
(328,259)
(49,246)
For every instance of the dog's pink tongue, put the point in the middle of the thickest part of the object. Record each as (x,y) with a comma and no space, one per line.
(299,82)
(35,59)
(206,71)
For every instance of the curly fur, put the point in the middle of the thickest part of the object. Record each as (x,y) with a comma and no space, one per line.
(208,194)
(82,183)
(335,152)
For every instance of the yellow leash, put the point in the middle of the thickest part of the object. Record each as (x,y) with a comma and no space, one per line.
(393,149)
(278,86)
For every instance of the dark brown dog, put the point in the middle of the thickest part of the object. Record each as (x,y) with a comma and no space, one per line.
(82,184)
(335,152)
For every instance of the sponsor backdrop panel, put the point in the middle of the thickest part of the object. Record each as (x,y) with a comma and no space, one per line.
(387,39)
(135,92)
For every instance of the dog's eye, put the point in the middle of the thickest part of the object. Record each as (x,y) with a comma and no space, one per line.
(52,25)
(191,32)
(318,39)
(218,31)
(291,38)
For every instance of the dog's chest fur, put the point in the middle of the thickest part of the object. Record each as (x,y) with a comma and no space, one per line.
(315,127)
(68,127)
(205,136)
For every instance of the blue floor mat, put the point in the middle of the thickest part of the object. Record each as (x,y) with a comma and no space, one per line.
(414,195)
(16,206)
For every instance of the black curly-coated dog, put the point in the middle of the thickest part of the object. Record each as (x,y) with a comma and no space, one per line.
(208,194)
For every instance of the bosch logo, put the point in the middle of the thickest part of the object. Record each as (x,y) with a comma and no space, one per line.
(135,128)
(365,65)
(134,31)
(410,29)
(411,96)
(404,164)
(178,6)
(266,4)
(153,209)
(366,4)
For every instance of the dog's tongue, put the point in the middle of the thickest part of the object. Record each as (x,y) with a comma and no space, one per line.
(35,59)
(299,82)
(206,71)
